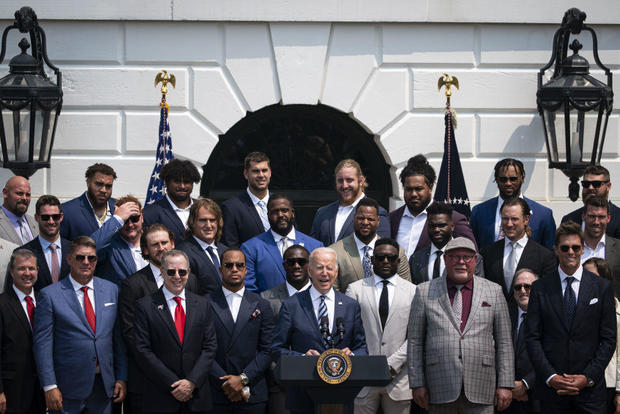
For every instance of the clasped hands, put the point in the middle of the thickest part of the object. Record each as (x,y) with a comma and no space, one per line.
(182,390)
(233,388)
(567,384)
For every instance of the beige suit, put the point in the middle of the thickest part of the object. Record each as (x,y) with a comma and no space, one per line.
(350,263)
(391,342)
(7,231)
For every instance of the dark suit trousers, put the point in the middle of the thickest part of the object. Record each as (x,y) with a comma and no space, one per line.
(579,404)
(239,408)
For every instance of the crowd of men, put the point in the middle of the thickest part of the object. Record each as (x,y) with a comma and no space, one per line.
(184,306)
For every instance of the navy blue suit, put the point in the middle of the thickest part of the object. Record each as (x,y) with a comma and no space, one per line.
(323,226)
(115,260)
(482,222)
(80,218)
(241,220)
(243,346)
(298,331)
(161,212)
(264,261)
(208,276)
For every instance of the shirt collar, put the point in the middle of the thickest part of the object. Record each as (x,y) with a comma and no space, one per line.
(255,199)
(601,242)
(291,289)
(169,295)
(434,248)
(469,285)
(408,213)
(14,219)
(577,275)
(46,244)
(521,242)
(204,244)
(21,295)
(156,270)
(77,286)
(277,237)
(360,244)
(176,208)
(354,204)
(521,312)
(315,294)
(227,292)
(379,280)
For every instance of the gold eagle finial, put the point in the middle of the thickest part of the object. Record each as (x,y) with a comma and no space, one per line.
(447,81)
(165,78)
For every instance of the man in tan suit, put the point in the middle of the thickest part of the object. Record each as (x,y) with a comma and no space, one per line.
(355,250)
(15,225)
(385,300)
(460,353)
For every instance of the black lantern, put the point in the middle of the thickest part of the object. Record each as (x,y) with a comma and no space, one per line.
(29,102)
(574,106)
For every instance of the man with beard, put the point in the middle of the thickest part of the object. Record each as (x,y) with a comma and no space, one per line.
(245,215)
(86,213)
(264,252)
(486,218)
(355,251)
(15,225)
(173,210)
(48,247)
(408,223)
(334,221)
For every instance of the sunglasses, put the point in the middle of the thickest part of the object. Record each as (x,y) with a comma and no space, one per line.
(172,272)
(382,257)
(134,219)
(524,286)
(565,248)
(594,183)
(81,257)
(47,217)
(296,260)
(466,258)
(229,265)
(504,180)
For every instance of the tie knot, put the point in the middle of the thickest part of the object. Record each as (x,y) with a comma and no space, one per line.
(28,299)
(523,315)
(84,289)
(514,244)
(385,282)
(53,247)
(459,287)
(177,299)
(439,253)
(323,298)
(569,281)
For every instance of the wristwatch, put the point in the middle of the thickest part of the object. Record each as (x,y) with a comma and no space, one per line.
(590,382)
(244,379)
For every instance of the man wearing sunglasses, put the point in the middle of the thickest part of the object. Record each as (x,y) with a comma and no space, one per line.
(596,182)
(49,248)
(486,217)
(571,331)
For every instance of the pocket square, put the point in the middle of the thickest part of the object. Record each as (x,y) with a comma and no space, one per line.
(255,314)
(486,304)
(593,301)
(109,304)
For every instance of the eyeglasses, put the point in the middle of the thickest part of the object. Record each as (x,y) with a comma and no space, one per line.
(172,272)
(134,219)
(466,258)
(565,247)
(525,286)
(382,257)
(47,217)
(593,183)
(229,265)
(504,180)
(296,260)
(81,257)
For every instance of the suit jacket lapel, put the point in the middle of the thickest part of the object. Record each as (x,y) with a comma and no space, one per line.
(444,300)
(556,298)
(369,293)
(396,300)
(99,305)
(17,308)
(8,229)
(74,304)
(498,264)
(354,256)
(331,222)
(252,210)
(272,249)
(338,311)
(161,308)
(191,307)
(221,309)
(306,303)
(169,211)
(347,227)
(87,211)
(204,254)
(583,299)
(246,308)
(476,304)
(423,273)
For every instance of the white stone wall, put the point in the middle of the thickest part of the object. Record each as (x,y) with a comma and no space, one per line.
(384,73)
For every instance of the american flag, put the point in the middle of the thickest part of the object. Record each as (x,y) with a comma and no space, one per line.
(156,188)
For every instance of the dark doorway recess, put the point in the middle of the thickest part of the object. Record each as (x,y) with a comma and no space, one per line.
(304,143)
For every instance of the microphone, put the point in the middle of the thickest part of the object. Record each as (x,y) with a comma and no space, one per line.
(340,328)
(325,328)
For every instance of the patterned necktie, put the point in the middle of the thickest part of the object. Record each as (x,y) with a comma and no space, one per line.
(88,309)
(213,256)
(322,309)
(437,265)
(383,304)
(511,265)
(25,236)
(30,310)
(284,244)
(55,265)
(263,214)
(366,262)
(570,301)
(179,318)
(457,305)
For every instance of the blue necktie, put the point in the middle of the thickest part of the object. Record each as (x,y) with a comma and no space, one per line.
(569,300)
(366,264)
(322,309)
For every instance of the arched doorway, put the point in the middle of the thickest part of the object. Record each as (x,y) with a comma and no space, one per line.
(304,143)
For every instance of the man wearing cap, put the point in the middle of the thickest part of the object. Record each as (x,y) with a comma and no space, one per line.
(460,352)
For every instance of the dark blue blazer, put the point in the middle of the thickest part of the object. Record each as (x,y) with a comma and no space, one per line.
(264,261)
(241,220)
(161,212)
(482,222)
(323,226)
(79,217)
(613,227)
(298,331)
(114,259)
(243,346)
(207,275)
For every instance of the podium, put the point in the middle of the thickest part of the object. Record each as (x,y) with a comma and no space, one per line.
(301,371)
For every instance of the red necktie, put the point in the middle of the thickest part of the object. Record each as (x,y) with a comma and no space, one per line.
(179,318)
(30,309)
(88,309)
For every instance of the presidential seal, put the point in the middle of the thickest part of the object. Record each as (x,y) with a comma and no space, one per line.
(334,366)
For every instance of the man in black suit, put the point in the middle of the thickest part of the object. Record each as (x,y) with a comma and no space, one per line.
(244,323)
(20,391)
(173,209)
(517,250)
(596,182)
(245,215)
(48,247)
(156,240)
(525,376)
(571,331)
(175,343)
(202,243)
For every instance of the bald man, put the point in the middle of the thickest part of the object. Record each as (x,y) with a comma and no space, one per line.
(15,225)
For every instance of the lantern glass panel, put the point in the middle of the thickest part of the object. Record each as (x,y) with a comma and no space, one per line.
(582,132)
(17,132)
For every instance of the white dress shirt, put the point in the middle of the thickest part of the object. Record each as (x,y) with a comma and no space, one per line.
(379,289)
(47,252)
(182,213)
(203,245)
(77,287)
(22,301)
(278,239)
(234,301)
(519,246)
(410,230)
(576,283)
(291,289)
(136,254)
(342,215)
(172,304)
(108,213)
(15,223)
(262,214)
(159,279)
(360,246)
(431,261)
(330,299)
(598,251)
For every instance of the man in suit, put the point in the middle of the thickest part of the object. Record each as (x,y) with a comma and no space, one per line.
(334,221)
(409,222)
(355,251)
(302,314)
(173,209)
(517,250)
(20,391)
(486,218)
(245,215)
(156,240)
(78,348)
(264,252)
(244,323)
(202,243)
(118,241)
(427,263)
(596,182)
(525,376)
(175,343)
(15,225)
(460,352)
(385,300)
(86,213)
(571,331)
(48,246)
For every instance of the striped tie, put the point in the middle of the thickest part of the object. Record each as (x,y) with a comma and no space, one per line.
(322,309)
(366,263)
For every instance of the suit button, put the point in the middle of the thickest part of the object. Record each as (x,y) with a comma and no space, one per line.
(382,343)
(460,357)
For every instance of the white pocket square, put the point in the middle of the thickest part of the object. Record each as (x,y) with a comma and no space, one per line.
(109,304)
(593,301)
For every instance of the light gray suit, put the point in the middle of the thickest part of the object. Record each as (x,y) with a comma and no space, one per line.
(446,361)
(7,231)
(390,341)
(350,267)
(276,296)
